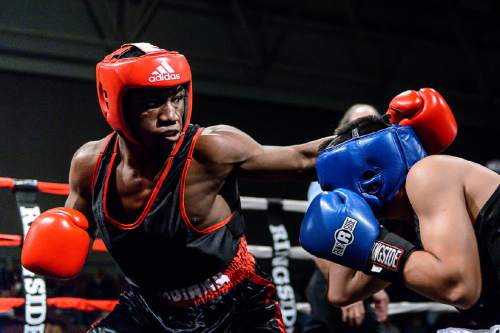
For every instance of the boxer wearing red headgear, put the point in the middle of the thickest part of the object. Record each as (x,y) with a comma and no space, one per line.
(157,69)
(457,204)
(163,194)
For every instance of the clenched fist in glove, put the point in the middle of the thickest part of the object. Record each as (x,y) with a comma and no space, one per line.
(428,114)
(57,243)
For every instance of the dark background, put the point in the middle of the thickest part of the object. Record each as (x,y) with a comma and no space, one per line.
(282,71)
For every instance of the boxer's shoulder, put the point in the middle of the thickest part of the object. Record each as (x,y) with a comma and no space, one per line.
(90,149)
(433,175)
(220,143)
(218,132)
(437,167)
(86,156)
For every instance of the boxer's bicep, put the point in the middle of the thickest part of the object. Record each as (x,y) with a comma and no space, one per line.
(447,269)
(436,194)
(228,145)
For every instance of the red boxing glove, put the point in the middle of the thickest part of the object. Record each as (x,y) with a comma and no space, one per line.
(57,243)
(428,114)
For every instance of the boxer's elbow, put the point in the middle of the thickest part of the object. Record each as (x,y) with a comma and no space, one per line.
(462,293)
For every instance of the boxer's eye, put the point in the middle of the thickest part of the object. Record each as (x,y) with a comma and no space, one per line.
(153,104)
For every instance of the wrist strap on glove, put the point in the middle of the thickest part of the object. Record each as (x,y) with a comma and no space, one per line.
(388,256)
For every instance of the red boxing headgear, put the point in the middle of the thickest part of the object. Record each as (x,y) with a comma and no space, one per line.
(153,68)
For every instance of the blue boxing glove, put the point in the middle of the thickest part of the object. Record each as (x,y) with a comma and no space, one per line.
(340,226)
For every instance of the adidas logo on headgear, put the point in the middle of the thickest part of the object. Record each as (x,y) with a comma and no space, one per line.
(164,73)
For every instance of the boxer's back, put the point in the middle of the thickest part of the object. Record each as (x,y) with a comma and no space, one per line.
(476,182)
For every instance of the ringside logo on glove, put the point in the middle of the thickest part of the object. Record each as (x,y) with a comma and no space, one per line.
(333,216)
(386,255)
(344,236)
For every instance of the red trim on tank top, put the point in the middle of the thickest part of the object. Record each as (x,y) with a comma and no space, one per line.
(98,163)
(156,190)
(184,215)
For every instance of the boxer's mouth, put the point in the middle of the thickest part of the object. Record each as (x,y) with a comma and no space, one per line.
(171,135)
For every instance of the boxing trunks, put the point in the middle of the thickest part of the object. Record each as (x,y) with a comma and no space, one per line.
(240,299)
(180,278)
(486,312)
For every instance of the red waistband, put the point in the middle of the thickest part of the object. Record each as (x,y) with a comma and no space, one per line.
(241,267)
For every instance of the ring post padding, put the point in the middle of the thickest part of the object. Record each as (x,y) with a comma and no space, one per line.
(280,262)
(35,291)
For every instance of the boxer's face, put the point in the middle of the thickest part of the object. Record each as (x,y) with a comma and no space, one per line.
(155,116)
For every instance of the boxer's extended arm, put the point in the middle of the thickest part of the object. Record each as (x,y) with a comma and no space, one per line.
(250,159)
(447,269)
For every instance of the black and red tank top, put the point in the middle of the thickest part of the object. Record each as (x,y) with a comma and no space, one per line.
(486,311)
(162,249)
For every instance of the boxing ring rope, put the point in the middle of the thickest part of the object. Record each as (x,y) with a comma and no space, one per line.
(259,251)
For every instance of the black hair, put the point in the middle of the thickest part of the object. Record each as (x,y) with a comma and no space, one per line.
(355,128)
(353,109)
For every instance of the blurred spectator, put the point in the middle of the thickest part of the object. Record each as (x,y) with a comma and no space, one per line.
(10,279)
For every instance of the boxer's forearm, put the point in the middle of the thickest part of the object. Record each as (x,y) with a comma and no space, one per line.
(295,162)
(310,150)
(346,285)
(306,154)
(323,265)
(441,280)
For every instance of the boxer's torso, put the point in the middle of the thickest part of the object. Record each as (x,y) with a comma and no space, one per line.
(172,231)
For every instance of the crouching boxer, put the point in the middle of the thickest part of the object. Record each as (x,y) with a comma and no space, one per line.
(164,196)
(372,171)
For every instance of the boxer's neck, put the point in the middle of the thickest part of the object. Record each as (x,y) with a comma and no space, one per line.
(140,157)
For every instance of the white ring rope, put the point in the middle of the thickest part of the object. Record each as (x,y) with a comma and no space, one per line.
(252,203)
(396,308)
(266,252)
